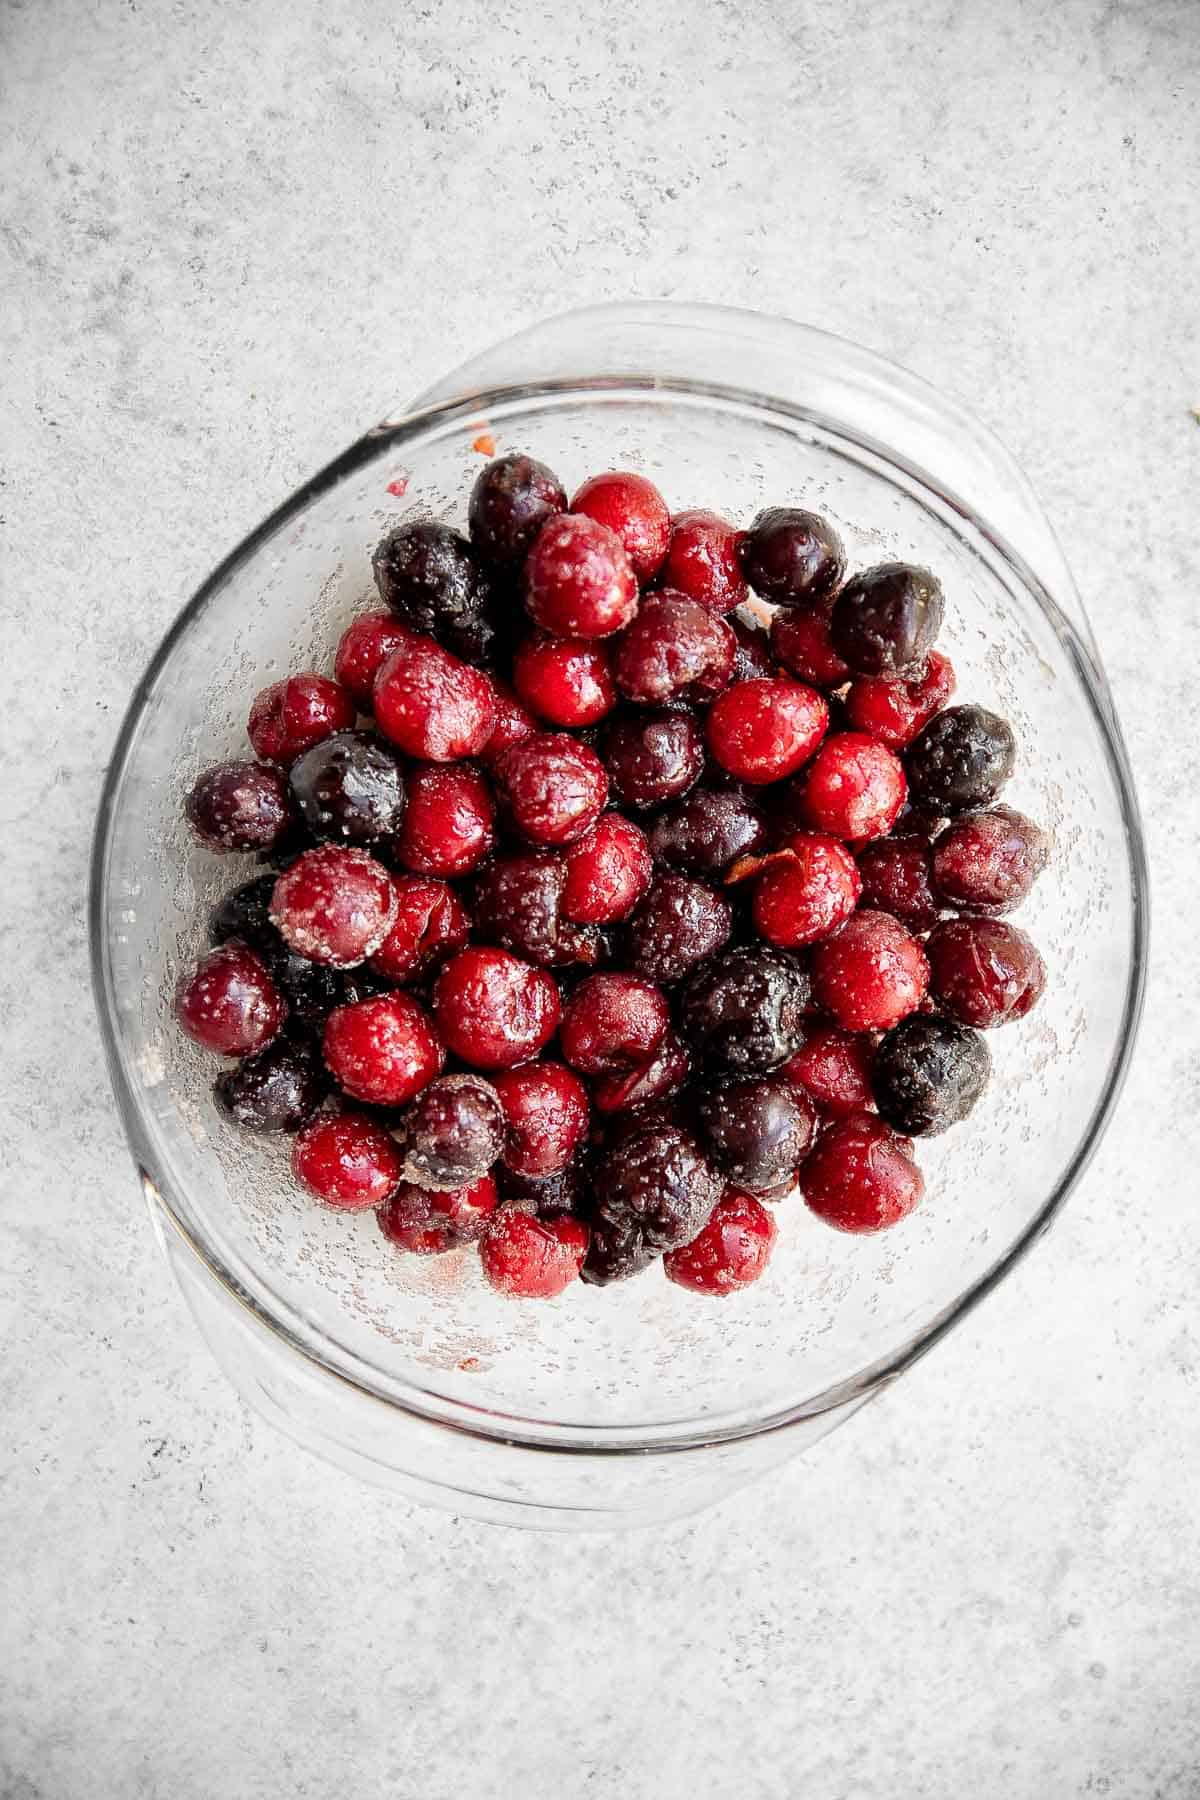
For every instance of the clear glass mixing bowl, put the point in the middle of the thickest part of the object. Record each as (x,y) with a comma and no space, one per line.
(637,1402)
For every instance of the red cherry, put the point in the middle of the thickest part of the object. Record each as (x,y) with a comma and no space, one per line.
(449,821)
(663,1073)
(348,1161)
(984,971)
(896,878)
(861,1177)
(702,560)
(362,650)
(546,1108)
(608,871)
(553,787)
(431,705)
(763,730)
(532,1258)
(429,1221)
(514,723)
(730,1253)
(854,787)
(383,1049)
(989,861)
(834,1068)
(334,905)
(633,508)
(612,1022)
(809,887)
(870,974)
(800,641)
(578,580)
(431,921)
(675,649)
(895,710)
(494,1010)
(290,716)
(228,1002)
(565,681)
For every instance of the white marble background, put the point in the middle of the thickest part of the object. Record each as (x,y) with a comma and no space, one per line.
(230,232)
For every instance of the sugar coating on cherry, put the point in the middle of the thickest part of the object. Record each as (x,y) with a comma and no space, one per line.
(334,905)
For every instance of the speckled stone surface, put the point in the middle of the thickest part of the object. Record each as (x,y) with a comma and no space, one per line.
(230,235)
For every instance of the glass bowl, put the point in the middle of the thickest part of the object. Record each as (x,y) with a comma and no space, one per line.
(633,1403)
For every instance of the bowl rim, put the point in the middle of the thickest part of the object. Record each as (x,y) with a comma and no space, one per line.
(462,1416)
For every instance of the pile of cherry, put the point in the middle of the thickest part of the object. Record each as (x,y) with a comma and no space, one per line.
(627,911)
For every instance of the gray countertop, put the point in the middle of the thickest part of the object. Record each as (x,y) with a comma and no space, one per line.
(233,234)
